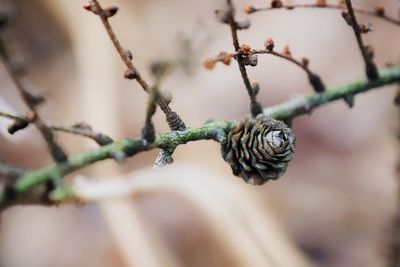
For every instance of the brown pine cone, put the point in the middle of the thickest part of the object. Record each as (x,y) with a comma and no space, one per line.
(259,149)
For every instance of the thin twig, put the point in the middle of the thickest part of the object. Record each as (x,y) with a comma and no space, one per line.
(313,78)
(212,130)
(55,149)
(394,245)
(255,106)
(148,131)
(81,129)
(378,12)
(10,116)
(174,121)
(370,67)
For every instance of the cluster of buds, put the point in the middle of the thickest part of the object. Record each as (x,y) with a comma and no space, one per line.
(249,58)
(363,27)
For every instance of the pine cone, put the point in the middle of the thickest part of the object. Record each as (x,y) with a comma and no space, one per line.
(259,149)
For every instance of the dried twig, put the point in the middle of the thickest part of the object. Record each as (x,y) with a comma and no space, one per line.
(378,11)
(228,16)
(82,129)
(174,121)
(370,67)
(31,102)
(314,79)
(394,254)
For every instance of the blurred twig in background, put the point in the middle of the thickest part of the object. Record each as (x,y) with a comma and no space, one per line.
(394,253)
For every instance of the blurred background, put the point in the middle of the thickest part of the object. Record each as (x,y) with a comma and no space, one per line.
(332,208)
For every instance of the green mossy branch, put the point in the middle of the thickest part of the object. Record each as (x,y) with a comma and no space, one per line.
(23,187)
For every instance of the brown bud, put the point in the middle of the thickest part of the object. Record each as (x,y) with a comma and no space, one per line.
(128,54)
(110,11)
(245,49)
(365,27)
(92,8)
(209,63)
(243,25)
(321,3)
(289,6)
(269,44)
(17,125)
(250,9)
(225,58)
(130,74)
(346,17)
(276,4)
(305,61)
(31,116)
(286,51)
(379,10)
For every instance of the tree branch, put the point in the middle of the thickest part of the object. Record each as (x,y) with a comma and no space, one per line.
(378,12)
(370,67)
(255,106)
(31,102)
(174,121)
(23,187)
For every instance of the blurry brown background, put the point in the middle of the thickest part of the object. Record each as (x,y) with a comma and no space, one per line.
(332,208)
